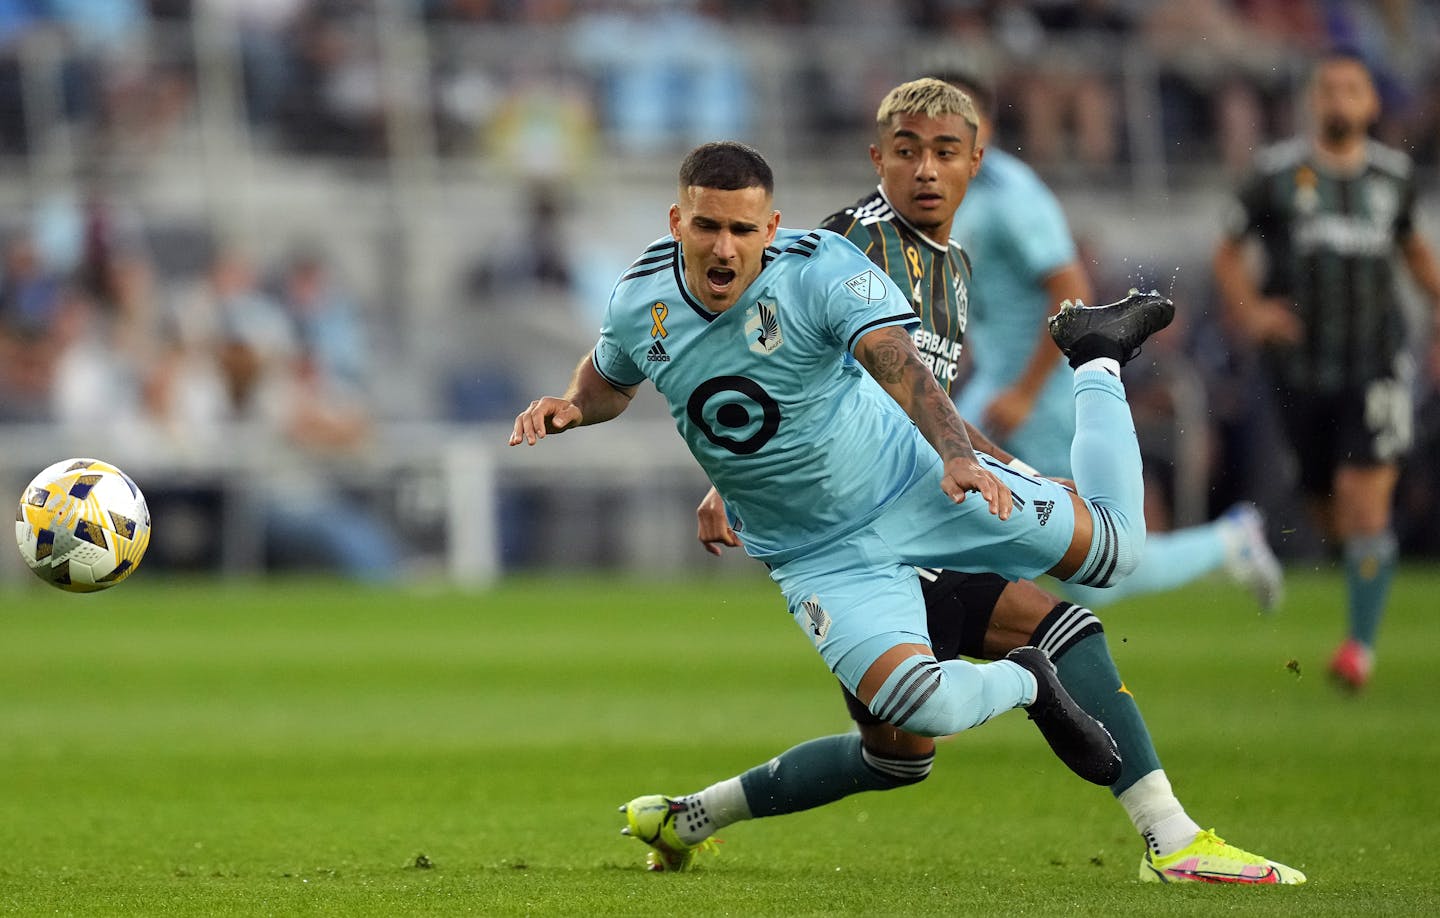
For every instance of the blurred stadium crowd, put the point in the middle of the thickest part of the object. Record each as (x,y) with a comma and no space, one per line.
(303,222)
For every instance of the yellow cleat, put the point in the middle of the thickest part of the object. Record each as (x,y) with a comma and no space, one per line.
(1208,859)
(652,820)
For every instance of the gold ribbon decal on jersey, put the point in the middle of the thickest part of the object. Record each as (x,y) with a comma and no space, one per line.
(912,255)
(657,329)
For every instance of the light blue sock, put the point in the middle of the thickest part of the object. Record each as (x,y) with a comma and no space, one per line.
(1171,559)
(1369,568)
(1104,455)
(1105,458)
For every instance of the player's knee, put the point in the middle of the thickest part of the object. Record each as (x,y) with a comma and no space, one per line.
(1115,548)
(923,698)
(890,741)
(899,770)
(1127,559)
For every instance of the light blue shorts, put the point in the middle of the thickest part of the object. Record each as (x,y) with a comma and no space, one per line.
(859,595)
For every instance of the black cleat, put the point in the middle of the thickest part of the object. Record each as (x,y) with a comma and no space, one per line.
(1116,330)
(1078,740)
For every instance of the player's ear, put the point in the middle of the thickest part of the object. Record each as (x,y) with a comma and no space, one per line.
(975,160)
(875,158)
(772,226)
(675,221)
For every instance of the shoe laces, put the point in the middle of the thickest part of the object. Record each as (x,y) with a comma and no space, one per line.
(1207,840)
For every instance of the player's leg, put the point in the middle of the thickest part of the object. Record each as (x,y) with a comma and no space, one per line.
(867,620)
(1362,512)
(1104,455)
(1348,446)
(1094,540)
(1234,542)
(1074,638)
(879,757)
(863,610)
(840,604)
(1176,847)
(814,773)
(997,620)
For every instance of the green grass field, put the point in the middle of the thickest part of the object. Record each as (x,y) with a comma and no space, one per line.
(308,748)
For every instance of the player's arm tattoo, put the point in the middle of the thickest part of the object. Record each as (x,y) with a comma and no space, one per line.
(890,356)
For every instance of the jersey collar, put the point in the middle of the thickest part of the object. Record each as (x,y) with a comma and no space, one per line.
(913,228)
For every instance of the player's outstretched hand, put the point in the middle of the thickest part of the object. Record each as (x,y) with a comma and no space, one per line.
(967,474)
(714,530)
(545,415)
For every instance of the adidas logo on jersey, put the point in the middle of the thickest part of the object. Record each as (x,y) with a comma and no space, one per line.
(657,354)
(1042,510)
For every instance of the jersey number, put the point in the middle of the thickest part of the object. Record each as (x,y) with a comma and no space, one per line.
(734,414)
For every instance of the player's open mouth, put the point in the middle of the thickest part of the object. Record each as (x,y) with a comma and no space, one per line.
(720,278)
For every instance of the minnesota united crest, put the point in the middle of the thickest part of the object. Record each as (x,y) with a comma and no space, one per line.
(817,620)
(762,328)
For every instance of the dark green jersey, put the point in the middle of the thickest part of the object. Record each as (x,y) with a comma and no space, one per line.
(935,276)
(1330,243)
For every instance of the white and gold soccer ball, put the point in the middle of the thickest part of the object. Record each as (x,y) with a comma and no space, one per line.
(82,525)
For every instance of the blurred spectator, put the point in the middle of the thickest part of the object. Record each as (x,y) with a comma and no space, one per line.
(333,103)
(260,30)
(1399,41)
(535,256)
(1225,70)
(41,317)
(544,128)
(328,322)
(86,64)
(668,72)
(1068,83)
(109,375)
(302,419)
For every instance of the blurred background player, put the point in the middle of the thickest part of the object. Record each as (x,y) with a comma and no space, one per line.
(1020,392)
(1332,209)
(926,154)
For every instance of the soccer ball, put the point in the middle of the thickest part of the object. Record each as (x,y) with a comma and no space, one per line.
(82,525)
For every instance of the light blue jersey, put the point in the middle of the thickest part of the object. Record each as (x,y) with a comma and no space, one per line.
(810,453)
(1013,229)
(766,394)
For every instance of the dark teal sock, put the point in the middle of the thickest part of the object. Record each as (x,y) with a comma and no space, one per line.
(1369,568)
(1076,643)
(822,771)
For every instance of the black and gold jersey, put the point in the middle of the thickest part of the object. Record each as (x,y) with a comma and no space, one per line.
(1329,242)
(934,276)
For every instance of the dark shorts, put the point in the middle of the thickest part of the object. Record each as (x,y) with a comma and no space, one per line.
(1366,425)
(957,611)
